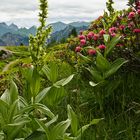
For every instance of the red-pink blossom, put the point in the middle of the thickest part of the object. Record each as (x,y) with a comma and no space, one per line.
(92,52)
(138,11)
(131,15)
(96,37)
(112,30)
(101,47)
(136,30)
(78,49)
(82,42)
(113,34)
(81,37)
(121,27)
(90,35)
(138,3)
(102,32)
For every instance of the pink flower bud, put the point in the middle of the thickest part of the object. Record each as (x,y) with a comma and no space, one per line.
(138,3)
(121,27)
(138,11)
(78,49)
(131,15)
(83,42)
(101,47)
(81,37)
(136,30)
(102,32)
(90,35)
(91,52)
(113,29)
(113,34)
(96,37)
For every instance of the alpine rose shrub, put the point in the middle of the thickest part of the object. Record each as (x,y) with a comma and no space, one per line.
(124,24)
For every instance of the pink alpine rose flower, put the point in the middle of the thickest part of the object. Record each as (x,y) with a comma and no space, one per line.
(102,32)
(96,37)
(131,15)
(113,34)
(121,27)
(136,30)
(81,37)
(112,30)
(82,42)
(78,49)
(91,52)
(138,7)
(138,3)
(90,35)
(138,11)
(101,47)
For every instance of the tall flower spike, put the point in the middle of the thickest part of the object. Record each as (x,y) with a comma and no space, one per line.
(38,42)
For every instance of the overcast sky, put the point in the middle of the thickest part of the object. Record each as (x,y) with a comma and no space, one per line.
(24,12)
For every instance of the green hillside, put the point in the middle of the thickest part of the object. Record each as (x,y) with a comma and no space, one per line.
(87,88)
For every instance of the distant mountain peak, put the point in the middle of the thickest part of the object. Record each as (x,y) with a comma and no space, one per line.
(58,26)
(33,27)
(13,27)
(59,22)
(3,24)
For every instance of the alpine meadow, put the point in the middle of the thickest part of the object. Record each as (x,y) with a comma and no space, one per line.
(78,80)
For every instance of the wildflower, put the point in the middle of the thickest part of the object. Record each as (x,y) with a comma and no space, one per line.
(138,3)
(90,35)
(113,34)
(138,11)
(83,42)
(101,47)
(78,49)
(131,15)
(102,32)
(81,37)
(121,27)
(91,52)
(112,30)
(136,30)
(95,37)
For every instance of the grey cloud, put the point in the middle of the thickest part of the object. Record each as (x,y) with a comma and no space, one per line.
(24,12)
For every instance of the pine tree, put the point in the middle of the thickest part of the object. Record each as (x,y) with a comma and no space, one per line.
(73,32)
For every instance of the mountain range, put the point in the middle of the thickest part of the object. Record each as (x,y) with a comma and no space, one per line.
(12,35)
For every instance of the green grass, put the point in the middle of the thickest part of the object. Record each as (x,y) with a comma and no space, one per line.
(121,119)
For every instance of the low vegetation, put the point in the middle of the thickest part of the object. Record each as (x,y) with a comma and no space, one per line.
(85,89)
